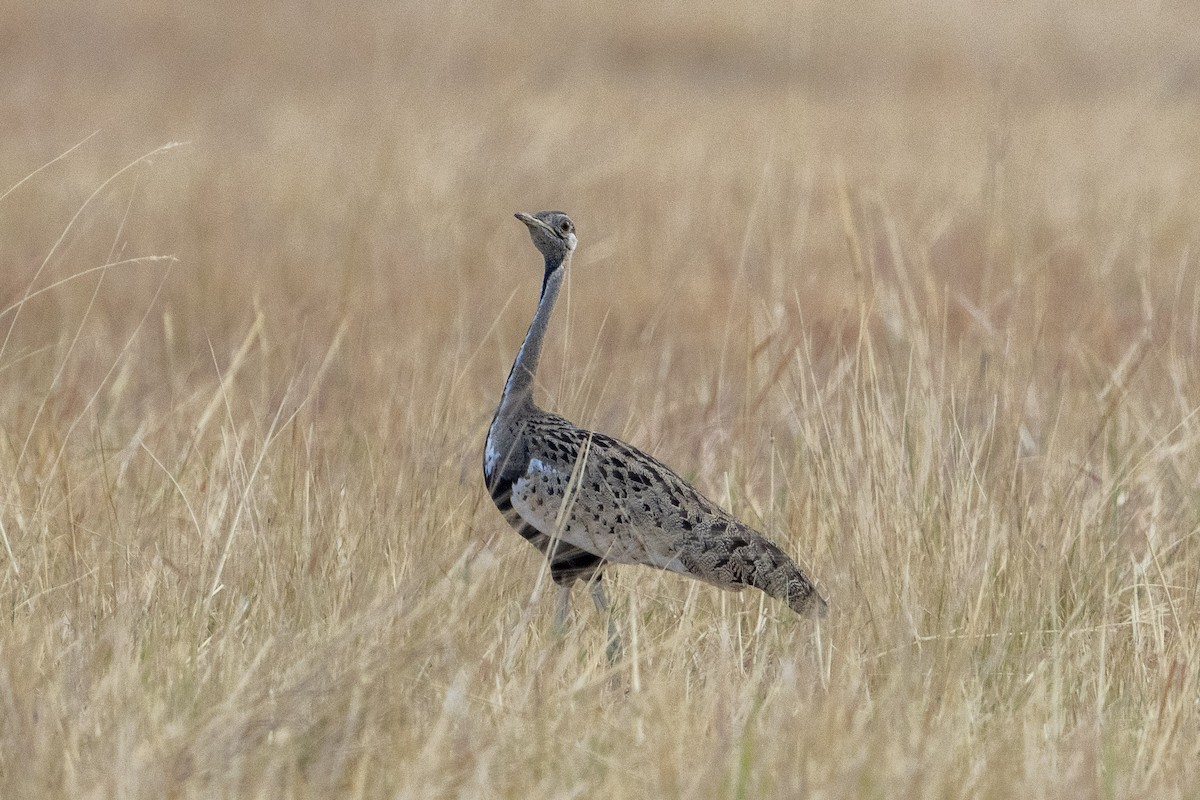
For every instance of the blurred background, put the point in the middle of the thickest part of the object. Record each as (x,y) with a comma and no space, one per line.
(368,156)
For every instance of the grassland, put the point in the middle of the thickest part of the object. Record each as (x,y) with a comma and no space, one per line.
(912,286)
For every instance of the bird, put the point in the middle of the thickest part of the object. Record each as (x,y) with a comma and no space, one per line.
(587,500)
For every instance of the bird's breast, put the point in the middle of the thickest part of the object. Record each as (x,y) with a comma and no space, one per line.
(490,456)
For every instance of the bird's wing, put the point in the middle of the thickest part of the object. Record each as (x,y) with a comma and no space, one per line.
(606,497)
(602,495)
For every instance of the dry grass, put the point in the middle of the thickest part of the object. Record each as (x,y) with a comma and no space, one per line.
(913,286)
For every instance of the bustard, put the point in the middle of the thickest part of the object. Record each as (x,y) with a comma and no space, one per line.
(585,499)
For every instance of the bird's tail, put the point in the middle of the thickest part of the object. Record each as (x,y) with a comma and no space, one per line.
(768,568)
(732,555)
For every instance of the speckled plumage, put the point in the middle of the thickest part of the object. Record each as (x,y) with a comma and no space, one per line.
(585,499)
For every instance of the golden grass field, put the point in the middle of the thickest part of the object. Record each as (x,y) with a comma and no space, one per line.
(910,286)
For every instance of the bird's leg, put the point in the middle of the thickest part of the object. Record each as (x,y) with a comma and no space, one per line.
(600,598)
(561,609)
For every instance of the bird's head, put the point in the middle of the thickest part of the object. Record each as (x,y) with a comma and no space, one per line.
(552,232)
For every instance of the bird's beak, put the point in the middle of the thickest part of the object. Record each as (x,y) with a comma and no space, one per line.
(533,222)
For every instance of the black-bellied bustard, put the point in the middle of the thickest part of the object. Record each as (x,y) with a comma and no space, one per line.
(585,499)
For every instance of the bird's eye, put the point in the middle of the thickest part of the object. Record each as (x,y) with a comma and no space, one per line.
(565,226)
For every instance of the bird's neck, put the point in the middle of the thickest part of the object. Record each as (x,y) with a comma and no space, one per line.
(518,391)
